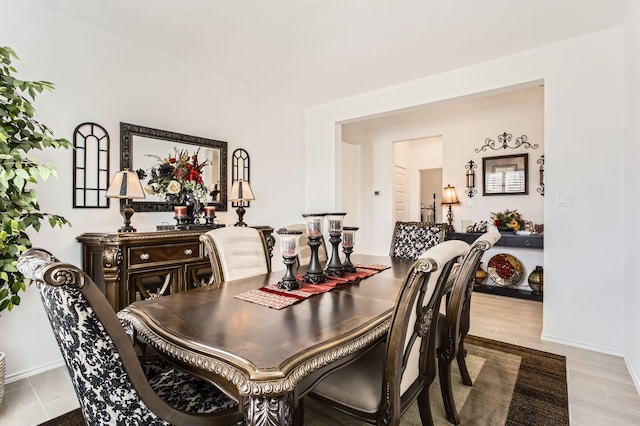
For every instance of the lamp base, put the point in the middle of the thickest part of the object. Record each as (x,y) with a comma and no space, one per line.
(127,212)
(450,227)
(240,211)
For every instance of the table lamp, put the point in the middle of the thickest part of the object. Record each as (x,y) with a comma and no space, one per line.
(126,186)
(450,197)
(240,192)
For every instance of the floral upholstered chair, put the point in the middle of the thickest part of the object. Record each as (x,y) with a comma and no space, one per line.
(114,387)
(411,239)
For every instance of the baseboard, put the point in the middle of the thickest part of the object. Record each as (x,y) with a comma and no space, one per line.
(33,371)
(581,345)
(634,375)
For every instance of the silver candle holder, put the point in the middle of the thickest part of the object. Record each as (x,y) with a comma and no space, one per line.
(315,273)
(335,267)
(289,249)
(348,241)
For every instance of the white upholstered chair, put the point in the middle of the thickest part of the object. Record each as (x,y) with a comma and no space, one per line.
(236,252)
(304,251)
(454,326)
(381,384)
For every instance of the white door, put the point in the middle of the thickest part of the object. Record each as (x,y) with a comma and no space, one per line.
(399,193)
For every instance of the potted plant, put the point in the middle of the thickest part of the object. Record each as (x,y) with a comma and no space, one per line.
(20,133)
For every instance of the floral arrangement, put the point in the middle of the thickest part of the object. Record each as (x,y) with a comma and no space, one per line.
(176,176)
(508,220)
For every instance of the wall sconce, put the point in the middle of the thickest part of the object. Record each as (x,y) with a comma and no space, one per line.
(470,178)
(240,192)
(126,186)
(541,162)
(450,197)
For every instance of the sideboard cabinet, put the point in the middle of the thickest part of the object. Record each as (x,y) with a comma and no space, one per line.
(142,265)
(528,248)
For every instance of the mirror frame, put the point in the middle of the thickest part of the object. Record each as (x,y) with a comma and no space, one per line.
(516,162)
(127,131)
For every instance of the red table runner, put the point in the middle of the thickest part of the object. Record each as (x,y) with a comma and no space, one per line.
(276,298)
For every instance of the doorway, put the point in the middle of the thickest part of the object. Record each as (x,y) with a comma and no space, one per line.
(399,193)
(430,195)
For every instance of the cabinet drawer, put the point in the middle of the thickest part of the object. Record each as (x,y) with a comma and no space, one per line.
(525,242)
(171,253)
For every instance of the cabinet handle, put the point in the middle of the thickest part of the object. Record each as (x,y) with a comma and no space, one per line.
(145,256)
(527,243)
(188,252)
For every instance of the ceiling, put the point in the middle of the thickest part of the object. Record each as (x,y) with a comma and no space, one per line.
(315,51)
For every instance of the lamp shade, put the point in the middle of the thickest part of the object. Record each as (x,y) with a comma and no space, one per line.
(241,191)
(449,195)
(125,184)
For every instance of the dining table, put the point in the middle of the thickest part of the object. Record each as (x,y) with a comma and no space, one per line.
(267,359)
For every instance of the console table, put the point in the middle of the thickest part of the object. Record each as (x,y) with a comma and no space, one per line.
(534,241)
(143,265)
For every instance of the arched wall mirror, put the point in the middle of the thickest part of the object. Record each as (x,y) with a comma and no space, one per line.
(90,166)
(137,142)
(240,170)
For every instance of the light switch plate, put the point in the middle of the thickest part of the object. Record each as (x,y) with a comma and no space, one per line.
(564,200)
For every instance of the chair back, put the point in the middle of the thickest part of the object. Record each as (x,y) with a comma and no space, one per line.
(236,252)
(460,296)
(304,251)
(410,351)
(104,368)
(411,239)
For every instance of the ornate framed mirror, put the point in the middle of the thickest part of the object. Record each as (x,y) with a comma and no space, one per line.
(138,144)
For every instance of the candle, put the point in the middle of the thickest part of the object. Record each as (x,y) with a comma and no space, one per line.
(288,247)
(180,211)
(314,227)
(209,211)
(347,239)
(335,225)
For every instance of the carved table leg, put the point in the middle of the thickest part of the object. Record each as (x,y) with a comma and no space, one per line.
(273,410)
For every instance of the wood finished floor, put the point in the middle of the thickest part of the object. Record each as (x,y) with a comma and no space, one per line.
(601,391)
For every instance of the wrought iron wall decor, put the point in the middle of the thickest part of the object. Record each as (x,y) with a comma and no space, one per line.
(90,166)
(504,141)
(471,178)
(541,170)
(240,170)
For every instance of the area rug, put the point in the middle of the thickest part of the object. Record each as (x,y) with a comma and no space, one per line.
(513,386)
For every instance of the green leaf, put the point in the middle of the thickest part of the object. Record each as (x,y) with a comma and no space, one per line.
(20,133)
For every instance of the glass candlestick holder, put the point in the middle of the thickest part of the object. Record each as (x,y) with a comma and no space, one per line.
(335,267)
(180,215)
(315,273)
(209,214)
(289,248)
(348,241)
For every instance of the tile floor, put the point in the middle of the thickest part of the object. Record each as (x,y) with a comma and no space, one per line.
(601,391)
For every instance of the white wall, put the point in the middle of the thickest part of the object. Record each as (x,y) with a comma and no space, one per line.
(631,185)
(459,130)
(583,150)
(105,79)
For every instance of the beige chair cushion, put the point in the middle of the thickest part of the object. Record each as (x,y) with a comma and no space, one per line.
(240,252)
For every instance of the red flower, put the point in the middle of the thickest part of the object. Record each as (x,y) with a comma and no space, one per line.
(172,160)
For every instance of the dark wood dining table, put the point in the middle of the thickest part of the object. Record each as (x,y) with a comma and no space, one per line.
(267,359)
